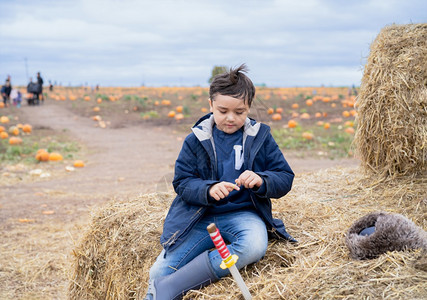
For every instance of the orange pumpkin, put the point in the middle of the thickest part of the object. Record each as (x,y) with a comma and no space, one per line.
(307,135)
(78,164)
(42,155)
(279,110)
(99,100)
(96,109)
(327,125)
(305,116)
(1,105)
(346,114)
(295,105)
(4,135)
(2,128)
(54,156)
(309,102)
(27,128)
(15,140)
(276,117)
(270,111)
(179,117)
(204,109)
(349,130)
(4,119)
(179,109)
(171,114)
(14,130)
(292,123)
(86,98)
(166,102)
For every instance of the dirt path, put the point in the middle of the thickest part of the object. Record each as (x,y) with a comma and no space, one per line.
(120,163)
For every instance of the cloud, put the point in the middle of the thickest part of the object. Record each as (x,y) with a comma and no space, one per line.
(178,42)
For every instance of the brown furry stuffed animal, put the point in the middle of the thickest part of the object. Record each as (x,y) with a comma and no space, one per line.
(387,232)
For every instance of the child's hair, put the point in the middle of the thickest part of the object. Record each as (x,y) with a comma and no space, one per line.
(233,83)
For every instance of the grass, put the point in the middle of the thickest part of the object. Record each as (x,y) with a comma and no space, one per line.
(25,152)
(332,143)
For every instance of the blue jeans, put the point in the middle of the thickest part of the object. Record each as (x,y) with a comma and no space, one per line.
(244,230)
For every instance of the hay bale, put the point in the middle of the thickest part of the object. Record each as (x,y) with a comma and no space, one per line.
(113,258)
(391,138)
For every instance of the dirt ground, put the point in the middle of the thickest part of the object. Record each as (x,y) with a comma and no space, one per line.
(41,220)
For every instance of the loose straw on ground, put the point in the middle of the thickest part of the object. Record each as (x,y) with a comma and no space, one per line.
(113,258)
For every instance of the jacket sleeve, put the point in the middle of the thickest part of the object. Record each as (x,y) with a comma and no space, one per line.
(192,171)
(276,172)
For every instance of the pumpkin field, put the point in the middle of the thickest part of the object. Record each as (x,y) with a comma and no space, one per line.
(84,147)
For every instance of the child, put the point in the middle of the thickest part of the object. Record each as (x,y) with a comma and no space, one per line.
(228,169)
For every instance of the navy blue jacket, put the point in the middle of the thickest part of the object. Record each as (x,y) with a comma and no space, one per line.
(196,171)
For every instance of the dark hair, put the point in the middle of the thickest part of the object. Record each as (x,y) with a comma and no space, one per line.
(233,83)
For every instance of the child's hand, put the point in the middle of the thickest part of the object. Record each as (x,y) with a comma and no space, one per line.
(221,190)
(249,179)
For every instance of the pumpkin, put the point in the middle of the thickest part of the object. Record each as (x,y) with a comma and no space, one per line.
(4,135)
(270,110)
(305,116)
(78,164)
(318,115)
(307,135)
(55,156)
(73,98)
(309,102)
(15,140)
(327,125)
(1,105)
(2,128)
(179,109)
(349,123)
(96,109)
(156,103)
(349,130)
(276,117)
(42,155)
(4,119)
(62,98)
(346,114)
(204,109)
(99,100)
(14,130)
(326,99)
(179,117)
(171,114)
(86,98)
(166,102)
(279,110)
(295,105)
(27,128)
(292,123)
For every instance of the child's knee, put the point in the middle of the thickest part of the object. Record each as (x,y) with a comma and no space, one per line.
(252,252)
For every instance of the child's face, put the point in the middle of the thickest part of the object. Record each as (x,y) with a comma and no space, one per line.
(229,113)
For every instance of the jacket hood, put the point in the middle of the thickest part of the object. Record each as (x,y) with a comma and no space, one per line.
(204,126)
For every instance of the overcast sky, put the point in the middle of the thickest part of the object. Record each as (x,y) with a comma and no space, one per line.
(177,43)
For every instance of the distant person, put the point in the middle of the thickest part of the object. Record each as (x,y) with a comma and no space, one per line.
(32,90)
(40,87)
(16,97)
(50,86)
(5,92)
